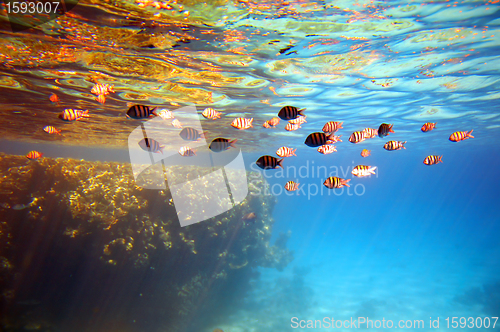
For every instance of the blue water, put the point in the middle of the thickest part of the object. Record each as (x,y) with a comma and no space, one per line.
(418,243)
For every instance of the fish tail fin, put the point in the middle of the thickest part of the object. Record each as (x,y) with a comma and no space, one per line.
(403,145)
(293,152)
(469,134)
(194,152)
(440,159)
(280,162)
(161,148)
(300,111)
(250,123)
(153,111)
(231,143)
(435,123)
(372,169)
(390,128)
(204,134)
(344,182)
(339,138)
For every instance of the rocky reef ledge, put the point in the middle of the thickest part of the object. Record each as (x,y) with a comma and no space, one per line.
(83,248)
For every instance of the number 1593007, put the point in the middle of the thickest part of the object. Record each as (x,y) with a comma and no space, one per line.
(32,7)
(471,322)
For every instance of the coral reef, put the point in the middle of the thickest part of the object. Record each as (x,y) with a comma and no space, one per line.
(87,247)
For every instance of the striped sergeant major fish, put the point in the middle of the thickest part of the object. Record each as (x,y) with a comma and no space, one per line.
(150,145)
(363,170)
(221,144)
(370,132)
(102,89)
(141,112)
(317,139)
(186,151)
(461,135)
(51,130)
(428,126)
(292,127)
(72,115)
(210,113)
(394,145)
(291,186)
(269,162)
(242,123)
(285,151)
(335,182)
(33,155)
(290,112)
(357,137)
(385,129)
(299,120)
(327,149)
(433,160)
(191,134)
(332,126)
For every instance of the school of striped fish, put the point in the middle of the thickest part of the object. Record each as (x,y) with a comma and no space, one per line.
(323,140)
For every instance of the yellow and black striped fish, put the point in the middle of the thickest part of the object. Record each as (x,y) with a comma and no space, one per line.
(335,182)
(150,145)
(210,113)
(221,144)
(357,137)
(394,145)
(285,151)
(242,123)
(51,130)
(433,160)
(102,89)
(317,139)
(269,162)
(332,126)
(428,126)
(291,186)
(461,135)
(33,155)
(191,134)
(72,115)
(363,170)
(290,112)
(370,132)
(385,129)
(140,112)
(292,127)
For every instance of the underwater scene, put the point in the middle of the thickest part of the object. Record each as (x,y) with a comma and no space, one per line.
(249,165)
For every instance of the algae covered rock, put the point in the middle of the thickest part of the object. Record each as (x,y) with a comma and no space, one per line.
(81,237)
